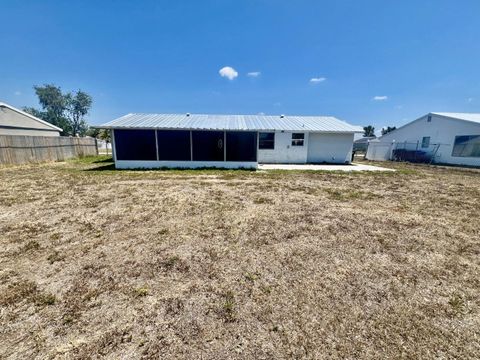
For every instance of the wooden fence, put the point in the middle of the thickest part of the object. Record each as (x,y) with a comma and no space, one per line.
(17,149)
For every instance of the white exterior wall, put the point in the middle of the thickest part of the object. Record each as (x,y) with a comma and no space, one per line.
(317,148)
(15,123)
(284,152)
(441,130)
(379,150)
(330,148)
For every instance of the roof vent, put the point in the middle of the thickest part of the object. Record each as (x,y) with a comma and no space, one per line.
(282,116)
(188,114)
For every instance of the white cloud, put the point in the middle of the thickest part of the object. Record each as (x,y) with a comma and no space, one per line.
(254,74)
(228,72)
(380,98)
(17,93)
(317,80)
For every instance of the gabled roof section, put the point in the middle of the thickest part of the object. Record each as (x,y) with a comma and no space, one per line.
(231,122)
(473,117)
(30,116)
(470,117)
(364,139)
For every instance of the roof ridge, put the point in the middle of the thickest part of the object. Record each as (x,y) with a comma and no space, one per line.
(233,122)
(219,114)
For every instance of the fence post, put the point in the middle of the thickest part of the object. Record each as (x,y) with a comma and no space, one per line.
(432,160)
(416,150)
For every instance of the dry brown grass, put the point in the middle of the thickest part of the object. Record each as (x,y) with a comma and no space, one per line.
(238,264)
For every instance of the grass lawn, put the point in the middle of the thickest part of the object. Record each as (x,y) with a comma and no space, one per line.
(238,264)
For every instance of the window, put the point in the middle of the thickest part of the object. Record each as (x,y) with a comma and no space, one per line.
(466,146)
(297,139)
(135,145)
(266,141)
(173,145)
(241,146)
(429,118)
(425,141)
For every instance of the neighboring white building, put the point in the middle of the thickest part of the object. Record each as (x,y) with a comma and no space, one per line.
(448,138)
(361,144)
(17,122)
(230,141)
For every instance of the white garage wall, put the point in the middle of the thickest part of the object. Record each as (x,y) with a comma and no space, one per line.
(330,148)
(318,147)
(284,152)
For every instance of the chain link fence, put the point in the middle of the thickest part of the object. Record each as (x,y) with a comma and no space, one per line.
(432,153)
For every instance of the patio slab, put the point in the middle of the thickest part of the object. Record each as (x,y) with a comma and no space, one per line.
(328,167)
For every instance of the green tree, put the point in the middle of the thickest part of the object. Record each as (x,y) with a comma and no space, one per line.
(53,103)
(65,110)
(105,134)
(32,111)
(388,129)
(51,99)
(93,132)
(368,131)
(102,134)
(77,107)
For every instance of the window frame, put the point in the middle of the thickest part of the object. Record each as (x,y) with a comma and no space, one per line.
(298,140)
(455,152)
(426,142)
(268,141)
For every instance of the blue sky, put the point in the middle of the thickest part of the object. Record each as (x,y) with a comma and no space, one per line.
(375,62)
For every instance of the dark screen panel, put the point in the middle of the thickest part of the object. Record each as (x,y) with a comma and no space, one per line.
(241,146)
(173,145)
(135,145)
(208,145)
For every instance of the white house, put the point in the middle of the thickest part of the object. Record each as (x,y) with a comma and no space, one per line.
(231,141)
(448,138)
(14,121)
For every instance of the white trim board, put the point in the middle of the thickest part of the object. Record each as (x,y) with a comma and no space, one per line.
(152,164)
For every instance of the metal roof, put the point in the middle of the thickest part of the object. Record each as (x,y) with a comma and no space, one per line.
(231,122)
(460,116)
